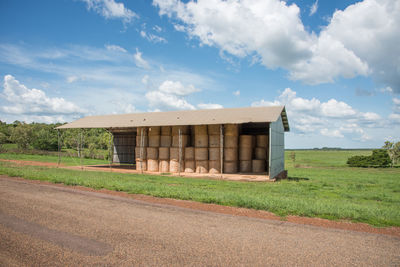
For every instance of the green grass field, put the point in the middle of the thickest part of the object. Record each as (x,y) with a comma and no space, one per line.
(320,186)
(68,161)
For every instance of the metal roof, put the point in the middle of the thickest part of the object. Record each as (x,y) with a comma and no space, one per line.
(185,117)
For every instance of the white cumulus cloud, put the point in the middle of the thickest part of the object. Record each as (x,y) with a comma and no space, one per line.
(332,118)
(139,61)
(171,96)
(111,9)
(209,106)
(22,100)
(177,88)
(314,8)
(359,40)
(152,37)
(116,48)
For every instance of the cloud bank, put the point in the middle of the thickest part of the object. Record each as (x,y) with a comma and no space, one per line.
(361,40)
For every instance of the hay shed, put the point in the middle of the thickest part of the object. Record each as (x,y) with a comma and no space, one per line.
(230,140)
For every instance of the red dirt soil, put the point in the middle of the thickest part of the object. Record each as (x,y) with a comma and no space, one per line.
(345,225)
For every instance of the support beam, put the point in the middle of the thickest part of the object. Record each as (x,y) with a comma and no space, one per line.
(180,151)
(221,149)
(59,148)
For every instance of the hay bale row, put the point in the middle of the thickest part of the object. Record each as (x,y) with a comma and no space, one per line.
(183,128)
(185,140)
(160,151)
(260,154)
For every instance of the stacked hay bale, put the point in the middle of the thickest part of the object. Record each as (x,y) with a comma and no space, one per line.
(245,153)
(214,150)
(141,148)
(176,152)
(260,153)
(231,136)
(201,148)
(152,149)
(163,152)
(190,165)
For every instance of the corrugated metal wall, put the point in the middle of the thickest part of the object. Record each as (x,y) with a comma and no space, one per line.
(124,148)
(277,148)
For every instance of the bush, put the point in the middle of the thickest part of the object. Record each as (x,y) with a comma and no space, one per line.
(378,159)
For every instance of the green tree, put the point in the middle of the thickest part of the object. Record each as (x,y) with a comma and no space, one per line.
(22,135)
(44,137)
(3,139)
(393,150)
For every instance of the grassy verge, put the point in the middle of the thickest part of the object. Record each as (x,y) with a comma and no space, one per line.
(360,195)
(69,161)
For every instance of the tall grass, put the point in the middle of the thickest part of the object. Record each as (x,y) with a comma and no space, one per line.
(326,190)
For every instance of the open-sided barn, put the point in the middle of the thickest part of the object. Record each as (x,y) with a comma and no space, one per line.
(232,140)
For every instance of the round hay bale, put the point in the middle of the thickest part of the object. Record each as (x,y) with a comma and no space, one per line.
(185,140)
(245,141)
(152,165)
(190,166)
(262,141)
(165,141)
(230,167)
(245,166)
(245,153)
(152,152)
(214,129)
(214,140)
(154,140)
(214,166)
(141,165)
(163,166)
(138,151)
(201,153)
(258,165)
(165,130)
(214,153)
(261,153)
(230,154)
(201,140)
(231,141)
(163,153)
(174,153)
(174,166)
(139,140)
(200,130)
(139,130)
(189,153)
(231,129)
(184,129)
(154,130)
(201,166)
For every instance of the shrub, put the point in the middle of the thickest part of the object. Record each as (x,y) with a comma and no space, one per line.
(378,159)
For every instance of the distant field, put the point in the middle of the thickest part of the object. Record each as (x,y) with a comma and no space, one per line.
(320,186)
(322,158)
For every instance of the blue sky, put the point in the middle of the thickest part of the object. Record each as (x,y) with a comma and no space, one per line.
(334,64)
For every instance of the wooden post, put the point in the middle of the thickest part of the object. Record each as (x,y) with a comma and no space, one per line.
(110,151)
(221,150)
(180,151)
(141,150)
(80,149)
(59,149)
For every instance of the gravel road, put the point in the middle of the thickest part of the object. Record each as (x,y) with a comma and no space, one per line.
(48,225)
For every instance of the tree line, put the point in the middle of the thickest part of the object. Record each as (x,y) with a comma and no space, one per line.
(42,136)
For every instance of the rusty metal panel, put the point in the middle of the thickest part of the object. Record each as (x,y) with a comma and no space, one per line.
(276,148)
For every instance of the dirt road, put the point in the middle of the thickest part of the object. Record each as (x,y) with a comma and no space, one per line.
(49,225)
